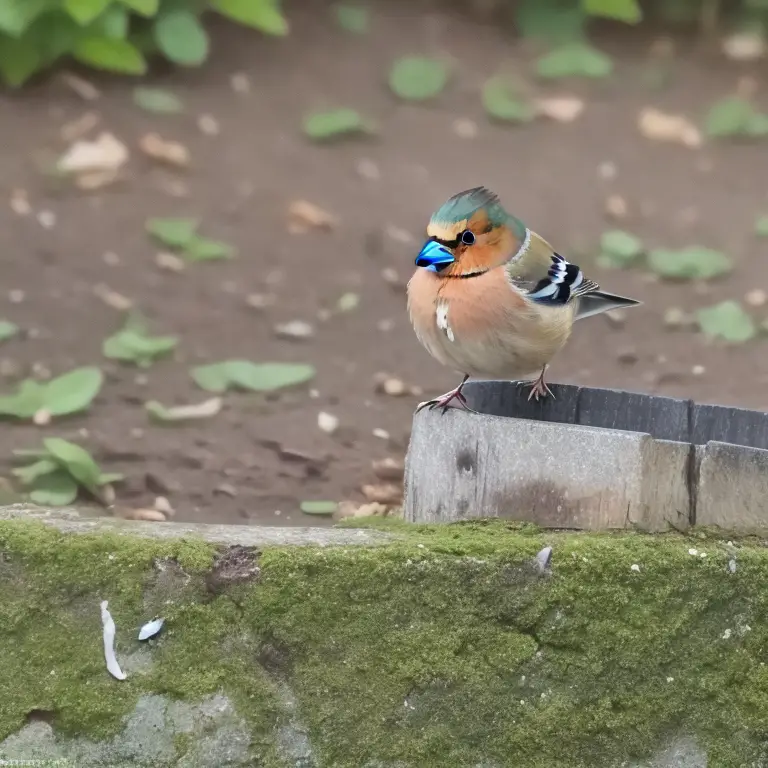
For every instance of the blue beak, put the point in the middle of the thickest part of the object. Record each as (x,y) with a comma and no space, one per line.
(434,256)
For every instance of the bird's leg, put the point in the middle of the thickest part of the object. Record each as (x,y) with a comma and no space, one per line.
(539,387)
(448,397)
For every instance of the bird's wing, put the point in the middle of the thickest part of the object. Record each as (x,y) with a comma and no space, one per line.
(544,276)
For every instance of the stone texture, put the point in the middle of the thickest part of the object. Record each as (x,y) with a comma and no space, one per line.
(463,465)
(72,521)
(732,489)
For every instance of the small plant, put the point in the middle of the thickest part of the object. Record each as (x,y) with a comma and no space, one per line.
(692,263)
(56,473)
(418,78)
(117,35)
(576,59)
(619,249)
(735,116)
(502,101)
(70,393)
(326,126)
(8,330)
(727,321)
(181,234)
(256,377)
(133,344)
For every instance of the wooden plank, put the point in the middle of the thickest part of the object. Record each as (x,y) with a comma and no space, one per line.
(509,398)
(729,425)
(664,418)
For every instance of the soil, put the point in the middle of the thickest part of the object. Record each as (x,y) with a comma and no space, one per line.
(556,177)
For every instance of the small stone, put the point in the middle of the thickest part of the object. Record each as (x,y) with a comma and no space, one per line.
(661,126)
(170,261)
(635,567)
(208,125)
(676,318)
(389,469)
(400,235)
(16,296)
(616,207)
(137,433)
(85,89)
(164,150)
(732,565)
(240,82)
(163,505)
(10,368)
(304,216)
(744,46)
(693,551)
(367,169)
(385,325)
(756,298)
(563,109)
(382,434)
(607,170)
(698,370)
(384,493)
(154,483)
(112,298)
(627,356)
(617,317)
(259,300)
(111,259)
(327,422)
(543,559)
(389,275)
(727,634)
(20,202)
(42,417)
(465,128)
(295,329)
(226,489)
(46,219)
(352,509)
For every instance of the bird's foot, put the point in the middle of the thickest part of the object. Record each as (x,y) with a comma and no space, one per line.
(539,388)
(445,400)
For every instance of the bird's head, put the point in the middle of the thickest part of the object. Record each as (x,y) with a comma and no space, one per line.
(470,234)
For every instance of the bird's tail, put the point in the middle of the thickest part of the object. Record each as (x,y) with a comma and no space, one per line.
(596,302)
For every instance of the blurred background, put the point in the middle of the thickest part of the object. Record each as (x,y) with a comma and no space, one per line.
(211,211)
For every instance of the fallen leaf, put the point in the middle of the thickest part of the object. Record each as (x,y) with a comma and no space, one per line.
(352,17)
(256,377)
(171,152)
(619,249)
(661,126)
(564,109)
(320,508)
(502,100)
(105,153)
(385,493)
(175,413)
(157,100)
(576,59)
(418,78)
(85,89)
(304,216)
(691,263)
(761,226)
(727,321)
(75,129)
(326,126)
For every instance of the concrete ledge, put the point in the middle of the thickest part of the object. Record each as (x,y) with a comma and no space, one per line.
(589,459)
(72,521)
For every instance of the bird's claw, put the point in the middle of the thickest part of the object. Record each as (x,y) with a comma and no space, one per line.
(444,401)
(539,388)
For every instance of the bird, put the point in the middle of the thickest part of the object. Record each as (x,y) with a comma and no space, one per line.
(492,299)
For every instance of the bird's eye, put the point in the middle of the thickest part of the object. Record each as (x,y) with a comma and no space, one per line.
(467,237)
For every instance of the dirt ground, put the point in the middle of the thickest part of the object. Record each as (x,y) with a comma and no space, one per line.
(556,177)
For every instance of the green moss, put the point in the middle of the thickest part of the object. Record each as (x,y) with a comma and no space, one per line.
(444,648)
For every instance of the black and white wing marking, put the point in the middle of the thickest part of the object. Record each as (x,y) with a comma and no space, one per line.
(563,282)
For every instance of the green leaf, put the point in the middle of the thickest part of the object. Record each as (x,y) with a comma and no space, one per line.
(114,23)
(32,472)
(76,460)
(146,8)
(16,16)
(72,392)
(620,10)
(352,17)
(19,60)
(727,321)
(8,330)
(157,100)
(691,263)
(54,35)
(320,508)
(55,490)
(619,249)
(757,125)
(729,117)
(202,249)
(323,126)
(180,36)
(263,15)
(257,377)
(134,345)
(502,102)
(25,402)
(417,78)
(107,478)
(174,232)
(553,21)
(761,230)
(110,54)
(574,60)
(85,11)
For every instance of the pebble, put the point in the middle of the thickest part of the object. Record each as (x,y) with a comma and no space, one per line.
(170,261)
(617,318)
(46,219)
(367,169)
(616,207)
(327,422)
(382,434)
(389,469)
(295,329)
(465,128)
(240,82)
(163,505)
(16,296)
(208,125)
(383,493)
(698,370)
(635,567)
(259,300)
(756,298)
(385,325)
